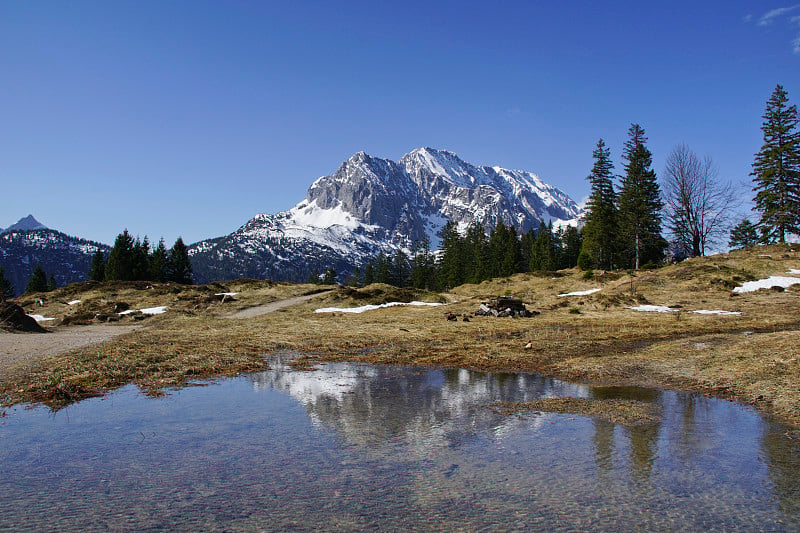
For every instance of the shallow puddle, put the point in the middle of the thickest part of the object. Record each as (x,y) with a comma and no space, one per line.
(354,447)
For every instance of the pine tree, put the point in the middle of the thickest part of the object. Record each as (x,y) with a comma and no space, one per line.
(158,262)
(452,259)
(140,265)
(369,276)
(640,204)
(743,235)
(476,257)
(51,283)
(6,288)
(37,281)
(423,270)
(600,229)
(776,170)
(119,266)
(98,269)
(571,242)
(180,268)
(543,256)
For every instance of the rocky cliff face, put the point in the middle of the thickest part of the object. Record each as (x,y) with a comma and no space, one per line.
(371,205)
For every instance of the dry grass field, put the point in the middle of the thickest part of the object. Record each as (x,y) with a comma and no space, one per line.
(753,357)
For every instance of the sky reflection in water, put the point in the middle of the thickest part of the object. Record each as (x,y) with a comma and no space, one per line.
(356,446)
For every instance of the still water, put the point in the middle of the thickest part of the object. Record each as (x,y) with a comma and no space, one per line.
(360,447)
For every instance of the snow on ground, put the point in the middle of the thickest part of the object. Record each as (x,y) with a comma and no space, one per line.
(772,281)
(793,271)
(364,308)
(579,293)
(40,318)
(74,302)
(665,309)
(228,294)
(147,311)
(653,308)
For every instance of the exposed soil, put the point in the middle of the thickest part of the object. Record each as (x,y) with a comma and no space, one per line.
(271,307)
(20,347)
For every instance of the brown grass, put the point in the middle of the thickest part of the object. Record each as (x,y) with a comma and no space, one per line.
(623,412)
(752,357)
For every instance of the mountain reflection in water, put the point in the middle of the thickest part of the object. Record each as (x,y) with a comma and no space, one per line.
(354,447)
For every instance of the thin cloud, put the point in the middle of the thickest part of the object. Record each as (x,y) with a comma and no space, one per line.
(781,13)
(767,18)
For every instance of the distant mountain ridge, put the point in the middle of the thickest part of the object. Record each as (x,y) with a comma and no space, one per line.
(371,205)
(67,258)
(24,224)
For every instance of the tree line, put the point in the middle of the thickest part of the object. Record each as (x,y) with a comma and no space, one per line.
(136,260)
(624,225)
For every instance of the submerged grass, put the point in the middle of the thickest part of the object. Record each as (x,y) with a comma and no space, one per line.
(623,412)
(752,357)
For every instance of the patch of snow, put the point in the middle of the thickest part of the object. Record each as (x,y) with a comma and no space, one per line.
(74,302)
(311,215)
(653,309)
(716,312)
(40,318)
(579,293)
(229,294)
(371,307)
(147,311)
(793,271)
(772,281)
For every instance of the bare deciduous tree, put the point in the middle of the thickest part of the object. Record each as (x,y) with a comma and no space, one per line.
(698,206)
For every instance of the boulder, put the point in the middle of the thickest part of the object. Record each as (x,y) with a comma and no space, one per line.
(14,318)
(504,306)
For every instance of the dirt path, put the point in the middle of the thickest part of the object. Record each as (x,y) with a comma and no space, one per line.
(19,347)
(271,307)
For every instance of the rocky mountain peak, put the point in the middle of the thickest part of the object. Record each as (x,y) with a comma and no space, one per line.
(371,205)
(25,224)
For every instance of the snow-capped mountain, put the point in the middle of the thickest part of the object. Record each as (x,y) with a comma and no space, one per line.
(371,205)
(67,258)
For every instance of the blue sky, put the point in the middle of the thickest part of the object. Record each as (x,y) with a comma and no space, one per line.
(187,118)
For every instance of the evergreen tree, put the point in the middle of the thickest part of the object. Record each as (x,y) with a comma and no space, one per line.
(776,170)
(180,268)
(400,274)
(119,266)
(98,269)
(452,259)
(571,241)
(51,283)
(6,289)
(476,257)
(744,235)
(158,262)
(382,269)
(369,275)
(37,281)
(140,264)
(640,204)
(526,250)
(600,229)
(423,267)
(543,256)
(314,277)
(354,279)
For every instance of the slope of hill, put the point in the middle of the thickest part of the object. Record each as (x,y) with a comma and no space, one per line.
(67,258)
